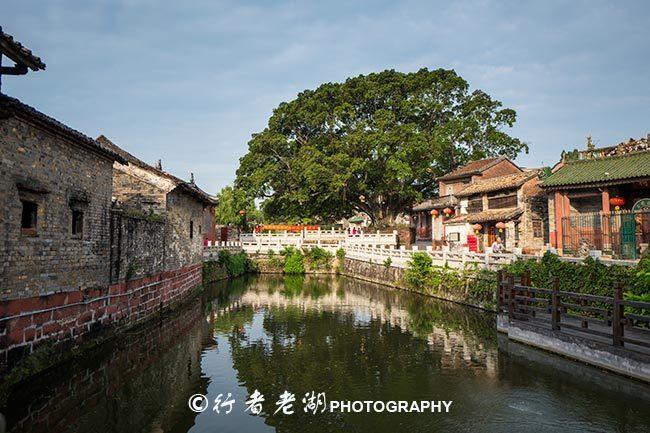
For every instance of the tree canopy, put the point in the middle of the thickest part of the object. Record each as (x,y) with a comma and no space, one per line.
(373,144)
(230,202)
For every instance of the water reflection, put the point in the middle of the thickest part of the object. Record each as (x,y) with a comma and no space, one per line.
(349,339)
(137,383)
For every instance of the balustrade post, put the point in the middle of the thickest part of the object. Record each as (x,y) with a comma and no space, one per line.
(511,298)
(500,282)
(555,305)
(618,316)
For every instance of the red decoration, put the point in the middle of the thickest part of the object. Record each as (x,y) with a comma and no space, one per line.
(242,212)
(501,225)
(617,202)
(477,228)
(434,212)
(447,211)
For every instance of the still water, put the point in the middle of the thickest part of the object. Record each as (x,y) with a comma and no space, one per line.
(341,338)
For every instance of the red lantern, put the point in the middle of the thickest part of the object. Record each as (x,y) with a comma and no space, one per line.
(617,202)
(434,212)
(447,211)
(501,225)
(477,228)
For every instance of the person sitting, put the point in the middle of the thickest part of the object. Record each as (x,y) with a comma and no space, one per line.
(497,246)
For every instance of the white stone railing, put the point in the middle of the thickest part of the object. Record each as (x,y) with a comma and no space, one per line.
(211,251)
(399,257)
(327,239)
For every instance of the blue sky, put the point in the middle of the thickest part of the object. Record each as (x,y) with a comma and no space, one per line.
(190,81)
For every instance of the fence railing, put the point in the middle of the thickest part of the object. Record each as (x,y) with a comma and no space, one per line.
(622,234)
(328,239)
(212,249)
(399,257)
(612,320)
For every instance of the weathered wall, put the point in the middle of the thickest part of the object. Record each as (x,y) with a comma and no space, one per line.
(181,249)
(503,168)
(66,319)
(144,369)
(137,245)
(134,187)
(66,175)
(535,204)
(59,289)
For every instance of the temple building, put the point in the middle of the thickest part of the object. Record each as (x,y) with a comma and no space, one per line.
(599,200)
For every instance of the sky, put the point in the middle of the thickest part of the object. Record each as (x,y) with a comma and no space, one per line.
(189,81)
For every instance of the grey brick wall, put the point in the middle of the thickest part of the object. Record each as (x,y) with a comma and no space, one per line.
(66,175)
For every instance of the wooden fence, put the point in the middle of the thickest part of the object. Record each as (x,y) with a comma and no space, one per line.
(613,320)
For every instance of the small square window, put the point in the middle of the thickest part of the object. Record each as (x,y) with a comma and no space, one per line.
(29,218)
(538,229)
(77,223)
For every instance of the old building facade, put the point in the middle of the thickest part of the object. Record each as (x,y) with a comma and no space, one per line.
(181,206)
(427,217)
(512,208)
(75,262)
(599,200)
(56,193)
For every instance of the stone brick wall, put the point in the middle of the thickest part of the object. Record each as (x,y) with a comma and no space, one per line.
(57,174)
(61,289)
(183,211)
(137,245)
(535,204)
(66,319)
(133,187)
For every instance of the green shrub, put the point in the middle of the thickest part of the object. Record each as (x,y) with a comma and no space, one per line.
(340,254)
(589,276)
(419,271)
(319,258)
(275,262)
(235,264)
(387,262)
(293,261)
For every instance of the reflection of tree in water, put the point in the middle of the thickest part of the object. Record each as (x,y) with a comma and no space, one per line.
(329,352)
(354,341)
(233,320)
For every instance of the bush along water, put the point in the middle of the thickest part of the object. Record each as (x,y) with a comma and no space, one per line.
(293,261)
(227,265)
(470,284)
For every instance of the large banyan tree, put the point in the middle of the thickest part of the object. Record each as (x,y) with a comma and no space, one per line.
(373,144)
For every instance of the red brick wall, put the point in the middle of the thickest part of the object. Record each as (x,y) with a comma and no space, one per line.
(501,169)
(76,397)
(69,318)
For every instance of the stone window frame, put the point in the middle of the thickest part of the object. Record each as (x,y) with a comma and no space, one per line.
(78,203)
(77,232)
(538,228)
(35,196)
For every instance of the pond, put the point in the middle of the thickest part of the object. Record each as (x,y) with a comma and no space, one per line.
(326,341)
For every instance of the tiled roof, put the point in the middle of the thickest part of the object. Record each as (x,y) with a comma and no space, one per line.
(186,186)
(498,183)
(474,167)
(18,53)
(13,107)
(438,202)
(601,170)
(486,216)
